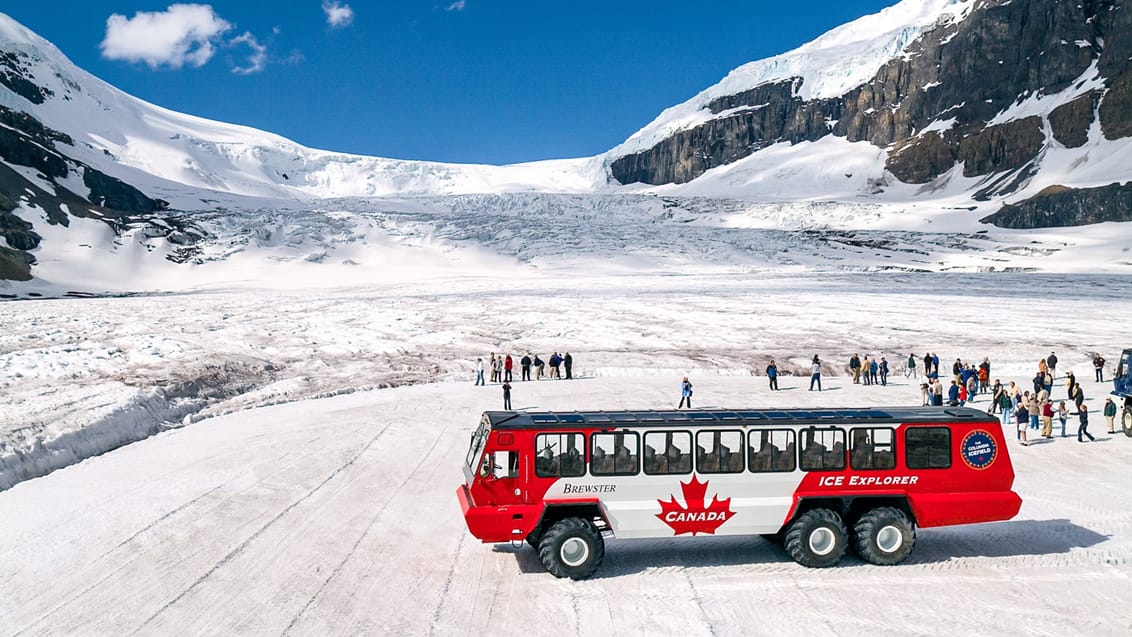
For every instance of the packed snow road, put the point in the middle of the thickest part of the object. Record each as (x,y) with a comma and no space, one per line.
(338,516)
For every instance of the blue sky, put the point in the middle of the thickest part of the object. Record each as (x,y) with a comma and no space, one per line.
(480,81)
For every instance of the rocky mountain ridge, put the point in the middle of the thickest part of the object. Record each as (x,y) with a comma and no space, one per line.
(956,99)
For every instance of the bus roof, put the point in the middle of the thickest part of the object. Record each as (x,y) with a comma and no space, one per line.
(715,417)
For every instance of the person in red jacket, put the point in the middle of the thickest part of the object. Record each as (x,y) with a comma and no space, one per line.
(507,365)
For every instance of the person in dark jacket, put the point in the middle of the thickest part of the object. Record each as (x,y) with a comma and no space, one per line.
(568,365)
(1098,366)
(1051,363)
(1110,415)
(953,394)
(525,362)
(507,395)
(1078,396)
(772,375)
(1083,428)
(883,370)
(855,368)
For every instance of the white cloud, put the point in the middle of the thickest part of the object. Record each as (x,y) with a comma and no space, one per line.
(457,6)
(257,59)
(337,14)
(182,34)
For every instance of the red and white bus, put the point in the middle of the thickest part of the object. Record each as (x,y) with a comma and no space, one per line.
(820,481)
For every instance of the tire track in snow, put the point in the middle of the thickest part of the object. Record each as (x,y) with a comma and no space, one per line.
(115,571)
(369,527)
(247,542)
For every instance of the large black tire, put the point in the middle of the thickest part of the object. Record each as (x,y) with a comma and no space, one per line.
(884,536)
(817,538)
(572,548)
(533,539)
(1126,421)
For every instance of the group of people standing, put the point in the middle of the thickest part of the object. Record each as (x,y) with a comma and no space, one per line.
(502,366)
(873,372)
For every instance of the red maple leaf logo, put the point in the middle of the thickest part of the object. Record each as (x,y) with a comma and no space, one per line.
(695,518)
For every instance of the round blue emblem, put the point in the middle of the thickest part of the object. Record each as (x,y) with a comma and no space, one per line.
(979,449)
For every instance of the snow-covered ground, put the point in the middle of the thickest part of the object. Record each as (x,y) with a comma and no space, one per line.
(80,376)
(339,516)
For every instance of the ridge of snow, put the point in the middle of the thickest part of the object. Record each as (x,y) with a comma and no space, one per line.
(831,65)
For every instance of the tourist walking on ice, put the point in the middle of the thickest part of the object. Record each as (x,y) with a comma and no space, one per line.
(910,370)
(815,373)
(685,393)
(772,375)
(855,368)
(507,395)
(1062,415)
(539,364)
(1023,418)
(1098,365)
(1083,428)
(1051,364)
(568,365)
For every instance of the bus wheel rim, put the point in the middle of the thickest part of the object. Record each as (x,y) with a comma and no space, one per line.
(575,551)
(889,539)
(822,541)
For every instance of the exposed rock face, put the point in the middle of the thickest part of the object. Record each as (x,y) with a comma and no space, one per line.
(25,141)
(1071,122)
(958,76)
(1059,207)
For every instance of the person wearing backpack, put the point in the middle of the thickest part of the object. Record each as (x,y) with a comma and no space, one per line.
(1047,419)
(815,373)
(685,393)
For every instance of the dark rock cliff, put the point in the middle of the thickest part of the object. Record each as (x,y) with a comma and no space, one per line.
(964,74)
(1059,207)
(26,142)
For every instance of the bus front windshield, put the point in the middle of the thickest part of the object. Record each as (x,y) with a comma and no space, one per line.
(475,448)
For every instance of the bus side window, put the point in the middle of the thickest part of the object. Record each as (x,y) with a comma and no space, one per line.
(671,452)
(927,447)
(823,449)
(872,449)
(501,464)
(559,455)
(623,458)
(719,451)
(771,450)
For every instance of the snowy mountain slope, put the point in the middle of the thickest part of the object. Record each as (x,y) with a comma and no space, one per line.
(107,193)
(829,66)
(113,130)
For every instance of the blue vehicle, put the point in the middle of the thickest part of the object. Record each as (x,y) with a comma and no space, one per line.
(1122,387)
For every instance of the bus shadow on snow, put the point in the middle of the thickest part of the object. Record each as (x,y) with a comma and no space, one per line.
(1014,538)
(992,540)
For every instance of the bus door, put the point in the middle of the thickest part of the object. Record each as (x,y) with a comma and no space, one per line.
(502,472)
